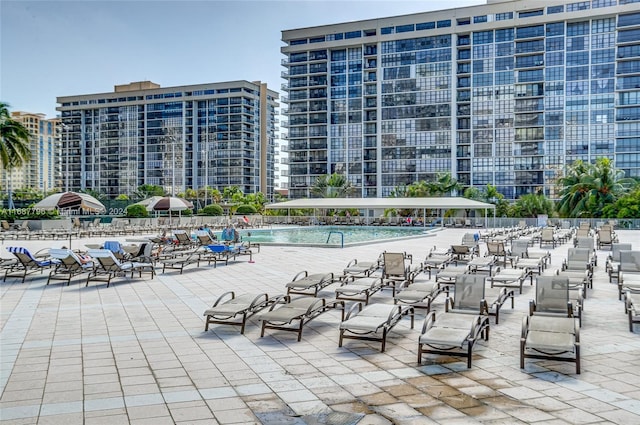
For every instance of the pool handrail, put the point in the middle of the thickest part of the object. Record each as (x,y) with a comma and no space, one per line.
(341,237)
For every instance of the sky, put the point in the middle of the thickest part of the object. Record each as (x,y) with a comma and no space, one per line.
(64,48)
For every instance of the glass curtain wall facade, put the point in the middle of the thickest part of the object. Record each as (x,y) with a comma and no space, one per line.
(215,135)
(506,94)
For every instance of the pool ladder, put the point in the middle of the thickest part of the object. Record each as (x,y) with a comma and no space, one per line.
(341,237)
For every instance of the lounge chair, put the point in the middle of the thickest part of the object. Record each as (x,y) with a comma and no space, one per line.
(497,249)
(357,268)
(452,334)
(579,259)
(418,294)
(548,237)
(550,338)
(231,310)
(632,308)
(612,265)
(584,242)
(471,240)
(179,262)
(304,283)
(70,265)
(292,314)
(510,278)
(471,296)
(628,282)
(448,276)
(436,260)
(605,238)
(373,322)
(628,270)
(520,251)
(359,289)
(182,240)
(481,265)
(555,299)
(26,263)
(578,280)
(394,270)
(461,254)
(116,248)
(108,267)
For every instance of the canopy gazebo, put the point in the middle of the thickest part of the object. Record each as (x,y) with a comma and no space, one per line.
(367,204)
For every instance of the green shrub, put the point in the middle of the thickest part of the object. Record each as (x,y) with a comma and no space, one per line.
(136,211)
(246,209)
(212,209)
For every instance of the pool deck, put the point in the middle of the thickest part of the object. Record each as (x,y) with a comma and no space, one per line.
(137,353)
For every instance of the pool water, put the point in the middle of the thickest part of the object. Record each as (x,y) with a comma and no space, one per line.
(329,236)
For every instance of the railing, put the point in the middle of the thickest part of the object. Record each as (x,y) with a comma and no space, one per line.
(341,237)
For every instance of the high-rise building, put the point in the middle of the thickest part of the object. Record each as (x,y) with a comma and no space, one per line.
(187,137)
(505,93)
(39,172)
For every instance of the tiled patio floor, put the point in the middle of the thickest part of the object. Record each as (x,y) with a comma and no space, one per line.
(137,353)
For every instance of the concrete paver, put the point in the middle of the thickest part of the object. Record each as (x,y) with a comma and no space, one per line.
(137,352)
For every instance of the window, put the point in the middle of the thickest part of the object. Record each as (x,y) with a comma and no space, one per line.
(626,20)
(444,24)
(386,30)
(504,49)
(603,25)
(504,16)
(479,19)
(581,5)
(554,9)
(602,41)
(504,35)
(463,21)
(555,29)
(483,37)
(298,42)
(530,13)
(577,28)
(528,32)
(425,26)
(404,28)
(602,56)
(626,36)
(352,34)
(317,39)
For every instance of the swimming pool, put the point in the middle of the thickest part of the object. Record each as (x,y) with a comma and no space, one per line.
(330,236)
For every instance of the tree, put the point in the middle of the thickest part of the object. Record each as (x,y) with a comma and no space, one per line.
(14,140)
(444,185)
(229,192)
(627,206)
(332,186)
(532,205)
(148,190)
(587,188)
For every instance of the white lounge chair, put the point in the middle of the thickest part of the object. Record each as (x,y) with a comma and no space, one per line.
(359,289)
(452,334)
(550,338)
(292,314)
(510,278)
(373,322)
(230,309)
(304,283)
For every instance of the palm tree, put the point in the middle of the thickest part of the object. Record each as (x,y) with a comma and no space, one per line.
(587,188)
(14,140)
(332,186)
(444,185)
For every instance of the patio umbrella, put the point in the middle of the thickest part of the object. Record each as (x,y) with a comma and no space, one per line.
(169,203)
(71,200)
(146,202)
